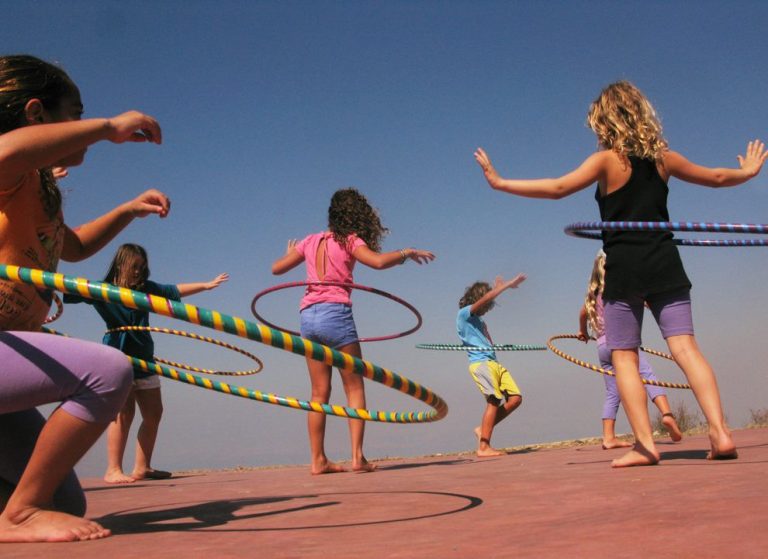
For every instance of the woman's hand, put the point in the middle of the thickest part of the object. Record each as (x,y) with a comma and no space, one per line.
(753,161)
(419,256)
(217,281)
(134,126)
(489,171)
(150,202)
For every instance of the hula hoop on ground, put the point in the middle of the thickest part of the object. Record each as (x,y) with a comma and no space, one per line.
(373,290)
(600,370)
(585,230)
(199,338)
(59,310)
(494,347)
(244,329)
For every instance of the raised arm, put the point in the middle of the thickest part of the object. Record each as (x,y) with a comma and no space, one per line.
(591,171)
(289,260)
(186,289)
(44,145)
(384,260)
(676,165)
(499,286)
(86,240)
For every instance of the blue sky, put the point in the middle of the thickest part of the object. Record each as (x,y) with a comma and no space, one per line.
(269,107)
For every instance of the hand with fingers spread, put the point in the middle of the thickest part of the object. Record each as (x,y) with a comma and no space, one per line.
(418,256)
(753,161)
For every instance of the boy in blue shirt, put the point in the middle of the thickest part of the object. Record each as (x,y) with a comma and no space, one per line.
(493,380)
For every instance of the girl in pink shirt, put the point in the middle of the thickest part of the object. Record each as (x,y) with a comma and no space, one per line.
(354,233)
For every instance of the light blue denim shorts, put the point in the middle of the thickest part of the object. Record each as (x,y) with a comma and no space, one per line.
(330,324)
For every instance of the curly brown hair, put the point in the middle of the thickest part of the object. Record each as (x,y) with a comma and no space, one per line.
(350,212)
(474,293)
(625,122)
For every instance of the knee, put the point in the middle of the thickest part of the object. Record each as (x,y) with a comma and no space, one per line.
(115,379)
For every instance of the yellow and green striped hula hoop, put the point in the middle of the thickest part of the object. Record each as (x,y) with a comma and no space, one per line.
(197,337)
(600,370)
(244,329)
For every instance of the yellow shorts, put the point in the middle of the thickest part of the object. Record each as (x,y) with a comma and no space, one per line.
(493,379)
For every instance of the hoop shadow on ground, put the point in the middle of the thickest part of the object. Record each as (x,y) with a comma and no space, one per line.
(409,465)
(214,516)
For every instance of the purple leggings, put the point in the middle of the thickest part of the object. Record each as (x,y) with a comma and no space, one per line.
(612,399)
(90,379)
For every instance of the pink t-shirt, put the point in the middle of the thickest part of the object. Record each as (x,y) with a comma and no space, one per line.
(339,264)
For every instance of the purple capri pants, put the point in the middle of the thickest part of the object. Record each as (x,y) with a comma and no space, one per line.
(623,319)
(90,379)
(612,399)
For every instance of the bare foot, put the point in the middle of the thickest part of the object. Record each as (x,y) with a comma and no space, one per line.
(364,466)
(117,476)
(151,474)
(638,456)
(478,434)
(326,468)
(670,424)
(608,444)
(38,525)
(489,451)
(722,447)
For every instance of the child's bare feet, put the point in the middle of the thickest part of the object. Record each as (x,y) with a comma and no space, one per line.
(609,444)
(38,525)
(722,447)
(150,473)
(117,476)
(670,424)
(363,466)
(638,456)
(326,467)
(489,451)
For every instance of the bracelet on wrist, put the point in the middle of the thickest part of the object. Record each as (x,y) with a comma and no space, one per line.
(403,256)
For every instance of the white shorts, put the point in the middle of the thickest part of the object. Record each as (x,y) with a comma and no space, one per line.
(147,383)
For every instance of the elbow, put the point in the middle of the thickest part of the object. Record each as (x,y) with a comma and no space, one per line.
(557,194)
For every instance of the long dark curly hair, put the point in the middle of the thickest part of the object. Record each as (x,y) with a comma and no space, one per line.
(350,212)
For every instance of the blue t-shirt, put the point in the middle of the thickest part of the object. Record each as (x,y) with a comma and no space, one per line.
(135,344)
(473,332)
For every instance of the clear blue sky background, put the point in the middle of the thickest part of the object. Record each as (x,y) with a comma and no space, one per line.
(268,107)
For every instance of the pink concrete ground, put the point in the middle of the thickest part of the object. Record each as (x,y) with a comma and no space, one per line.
(537,503)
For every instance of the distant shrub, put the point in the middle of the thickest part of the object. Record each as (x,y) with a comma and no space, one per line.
(689,421)
(758,418)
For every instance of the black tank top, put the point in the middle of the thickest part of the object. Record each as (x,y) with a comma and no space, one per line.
(639,263)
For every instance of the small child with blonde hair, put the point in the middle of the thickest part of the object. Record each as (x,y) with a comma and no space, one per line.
(494,381)
(591,322)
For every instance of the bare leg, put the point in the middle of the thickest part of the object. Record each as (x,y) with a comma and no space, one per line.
(320,377)
(484,448)
(668,418)
(61,444)
(117,438)
(609,436)
(355,391)
(702,379)
(151,408)
(634,399)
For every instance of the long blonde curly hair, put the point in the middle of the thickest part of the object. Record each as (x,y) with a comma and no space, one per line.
(625,122)
(595,288)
